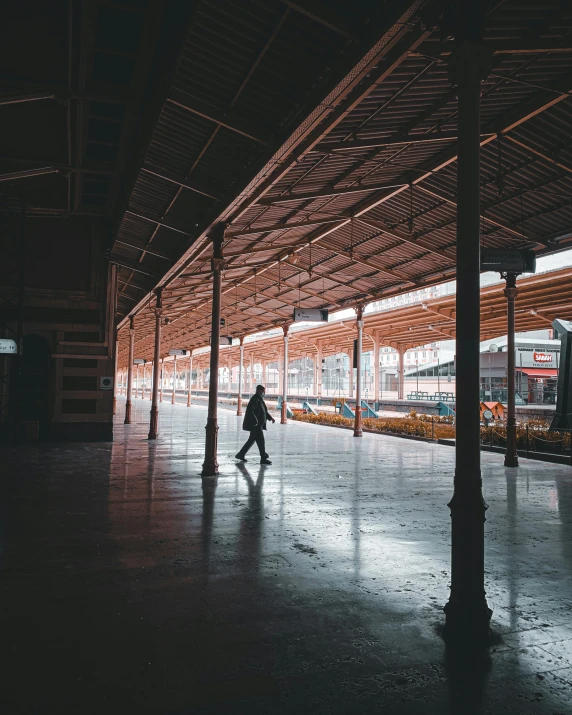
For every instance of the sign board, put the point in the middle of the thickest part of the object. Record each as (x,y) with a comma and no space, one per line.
(224,340)
(139,361)
(488,415)
(8,347)
(311,315)
(177,352)
(508,260)
(543,357)
(106,383)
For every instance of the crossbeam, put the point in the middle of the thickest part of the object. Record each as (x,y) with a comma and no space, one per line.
(399,140)
(180,184)
(157,223)
(181,100)
(324,194)
(268,228)
(26,174)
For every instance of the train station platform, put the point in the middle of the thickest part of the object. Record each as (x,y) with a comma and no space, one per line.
(314,585)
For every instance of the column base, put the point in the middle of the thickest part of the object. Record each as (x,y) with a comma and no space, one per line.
(189,400)
(358,431)
(210,465)
(284,414)
(127,420)
(467,615)
(154,424)
(468,623)
(511,455)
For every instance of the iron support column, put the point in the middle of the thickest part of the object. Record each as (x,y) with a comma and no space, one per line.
(190,378)
(284,410)
(264,365)
(319,376)
(154,424)
(127,420)
(174,379)
(210,465)
(351,375)
(401,377)
(467,612)
(240,369)
(358,432)
(375,368)
(511,292)
(116,374)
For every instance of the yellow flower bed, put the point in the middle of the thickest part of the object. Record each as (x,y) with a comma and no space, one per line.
(538,436)
(394,425)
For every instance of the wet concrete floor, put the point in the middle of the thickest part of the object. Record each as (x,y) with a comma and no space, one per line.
(314,585)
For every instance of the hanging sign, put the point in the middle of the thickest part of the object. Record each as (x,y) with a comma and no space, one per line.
(139,361)
(224,340)
(311,315)
(8,347)
(177,352)
(508,260)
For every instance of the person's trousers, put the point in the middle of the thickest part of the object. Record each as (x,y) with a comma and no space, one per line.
(256,435)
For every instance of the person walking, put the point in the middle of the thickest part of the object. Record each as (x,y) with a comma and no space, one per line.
(255,419)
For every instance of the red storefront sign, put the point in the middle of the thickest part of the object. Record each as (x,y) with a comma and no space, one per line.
(543,357)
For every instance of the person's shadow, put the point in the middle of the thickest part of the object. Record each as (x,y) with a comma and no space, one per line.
(250,533)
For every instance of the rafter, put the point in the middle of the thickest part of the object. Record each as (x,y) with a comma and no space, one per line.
(268,228)
(540,154)
(323,15)
(159,224)
(324,193)
(441,196)
(180,184)
(183,101)
(397,140)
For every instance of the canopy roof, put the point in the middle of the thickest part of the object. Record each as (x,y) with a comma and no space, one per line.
(541,298)
(358,203)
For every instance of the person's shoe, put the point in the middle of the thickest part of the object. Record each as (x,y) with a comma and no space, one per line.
(265,461)
(240,458)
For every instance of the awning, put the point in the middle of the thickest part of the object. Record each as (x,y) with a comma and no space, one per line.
(539,371)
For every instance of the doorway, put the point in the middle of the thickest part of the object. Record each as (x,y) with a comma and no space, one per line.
(32,392)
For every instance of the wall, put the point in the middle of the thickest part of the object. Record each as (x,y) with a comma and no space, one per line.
(62,290)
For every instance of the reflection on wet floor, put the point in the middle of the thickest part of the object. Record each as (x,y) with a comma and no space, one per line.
(313,585)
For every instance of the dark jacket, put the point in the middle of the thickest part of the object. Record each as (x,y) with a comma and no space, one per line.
(256,414)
